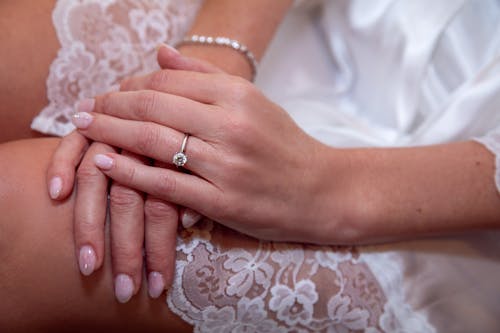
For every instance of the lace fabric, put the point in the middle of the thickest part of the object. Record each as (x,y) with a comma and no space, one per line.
(228,282)
(102,42)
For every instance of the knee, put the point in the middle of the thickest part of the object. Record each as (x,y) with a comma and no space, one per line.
(22,187)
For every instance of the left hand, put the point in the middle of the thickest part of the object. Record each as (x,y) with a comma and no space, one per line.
(251,167)
(135,219)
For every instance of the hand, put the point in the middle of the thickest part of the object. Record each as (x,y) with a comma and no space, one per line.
(130,211)
(251,167)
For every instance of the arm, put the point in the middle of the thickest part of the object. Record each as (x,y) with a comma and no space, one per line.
(234,21)
(262,159)
(409,192)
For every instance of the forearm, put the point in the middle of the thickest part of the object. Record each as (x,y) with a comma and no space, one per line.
(411,192)
(253,23)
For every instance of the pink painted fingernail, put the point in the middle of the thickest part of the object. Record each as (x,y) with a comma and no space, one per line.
(168,47)
(103,161)
(87,260)
(124,288)
(55,187)
(85,105)
(156,284)
(189,218)
(82,120)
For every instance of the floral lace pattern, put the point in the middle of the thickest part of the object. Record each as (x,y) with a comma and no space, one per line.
(228,282)
(492,142)
(102,42)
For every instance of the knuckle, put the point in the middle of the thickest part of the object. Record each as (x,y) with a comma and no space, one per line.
(122,197)
(146,103)
(158,256)
(158,80)
(86,228)
(106,102)
(241,90)
(158,211)
(220,207)
(88,174)
(239,127)
(148,139)
(166,186)
(127,256)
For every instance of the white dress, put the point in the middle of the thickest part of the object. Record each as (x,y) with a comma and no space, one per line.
(351,73)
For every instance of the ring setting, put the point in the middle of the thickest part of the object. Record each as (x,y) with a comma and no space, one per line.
(180,158)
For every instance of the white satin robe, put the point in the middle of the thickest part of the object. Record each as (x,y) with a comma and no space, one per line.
(402,73)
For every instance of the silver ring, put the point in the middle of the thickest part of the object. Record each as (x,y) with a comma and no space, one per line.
(180,158)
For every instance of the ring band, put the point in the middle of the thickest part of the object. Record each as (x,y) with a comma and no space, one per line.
(180,158)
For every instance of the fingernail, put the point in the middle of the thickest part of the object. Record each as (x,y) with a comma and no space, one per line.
(87,260)
(103,161)
(124,288)
(82,120)
(85,105)
(156,284)
(168,47)
(55,187)
(189,218)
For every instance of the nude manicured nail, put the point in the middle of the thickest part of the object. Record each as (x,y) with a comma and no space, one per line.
(103,161)
(124,288)
(85,105)
(82,120)
(168,47)
(87,260)
(55,187)
(189,218)
(156,284)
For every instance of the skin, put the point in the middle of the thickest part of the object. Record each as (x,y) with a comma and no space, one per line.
(348,196)
(138,213)
(40,286)
(134,212)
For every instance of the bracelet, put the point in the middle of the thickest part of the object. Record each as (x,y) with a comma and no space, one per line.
(226,42)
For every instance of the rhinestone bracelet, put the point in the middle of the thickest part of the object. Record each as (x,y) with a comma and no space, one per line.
(226,42)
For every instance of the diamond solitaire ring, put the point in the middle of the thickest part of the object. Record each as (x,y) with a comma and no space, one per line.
(180,158)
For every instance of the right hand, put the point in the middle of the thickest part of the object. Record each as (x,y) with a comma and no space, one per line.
(133,216)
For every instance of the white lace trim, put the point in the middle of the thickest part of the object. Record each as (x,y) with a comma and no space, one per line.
(227,282)
(103,41)
(492,142)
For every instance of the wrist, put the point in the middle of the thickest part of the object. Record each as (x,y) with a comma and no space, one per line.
(340,205)
(228,60)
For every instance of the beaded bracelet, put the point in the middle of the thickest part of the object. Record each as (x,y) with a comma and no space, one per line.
(226,42)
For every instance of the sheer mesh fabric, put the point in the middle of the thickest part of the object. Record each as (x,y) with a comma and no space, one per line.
(228,282)
(102,42)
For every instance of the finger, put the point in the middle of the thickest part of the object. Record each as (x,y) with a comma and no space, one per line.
(62,167)
(161,220)
(146,105)
(170,58)
(158,142)
(161,231)
(180,188)
(189,217)
(90,211)
(201,87)
(126,208)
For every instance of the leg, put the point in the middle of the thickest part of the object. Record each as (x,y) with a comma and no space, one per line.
(29,44)
(40,285)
